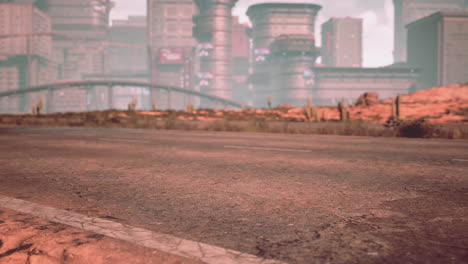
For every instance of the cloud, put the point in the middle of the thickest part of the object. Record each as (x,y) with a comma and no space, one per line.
(378,36)
(124,8)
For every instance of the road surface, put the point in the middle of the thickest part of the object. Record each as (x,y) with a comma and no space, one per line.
(294,198)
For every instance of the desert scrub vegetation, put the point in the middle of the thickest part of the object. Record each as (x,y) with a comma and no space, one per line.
(420,128)
(252,120)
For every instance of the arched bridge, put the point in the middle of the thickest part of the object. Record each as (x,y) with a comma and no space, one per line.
(114,83)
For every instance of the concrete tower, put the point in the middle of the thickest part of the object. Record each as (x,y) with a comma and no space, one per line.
(269,21)
(213,30)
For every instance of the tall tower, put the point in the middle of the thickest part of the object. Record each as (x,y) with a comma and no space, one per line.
(407,11)
(214,30)
(342,42)
(269,21)
(291,58)
(170,43)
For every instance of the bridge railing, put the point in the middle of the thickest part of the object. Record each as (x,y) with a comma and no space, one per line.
(91,95)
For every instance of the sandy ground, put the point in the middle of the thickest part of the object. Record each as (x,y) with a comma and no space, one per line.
(33,240)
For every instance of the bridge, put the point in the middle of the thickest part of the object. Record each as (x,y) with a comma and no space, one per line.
(110,84)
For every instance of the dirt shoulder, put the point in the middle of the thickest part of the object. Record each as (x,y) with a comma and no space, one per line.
(27,239)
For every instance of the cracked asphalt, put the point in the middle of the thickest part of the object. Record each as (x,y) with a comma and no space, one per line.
(294,198)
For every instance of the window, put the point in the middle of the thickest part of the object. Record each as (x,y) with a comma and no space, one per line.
(187,11)
(171,28)
(171,11)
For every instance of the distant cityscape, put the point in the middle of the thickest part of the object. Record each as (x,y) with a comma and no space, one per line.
(200,46)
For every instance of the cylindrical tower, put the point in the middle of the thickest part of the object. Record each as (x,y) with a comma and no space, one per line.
(292,57)
(213,28)
(270,20)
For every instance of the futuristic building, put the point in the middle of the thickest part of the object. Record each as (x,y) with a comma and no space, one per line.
(407,11)
(269,21)
(342,42)
(213,31)
(438,45)
(171,43)
(335,84)
(291,57)
(25,53)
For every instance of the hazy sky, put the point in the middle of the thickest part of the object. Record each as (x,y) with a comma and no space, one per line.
(377,15)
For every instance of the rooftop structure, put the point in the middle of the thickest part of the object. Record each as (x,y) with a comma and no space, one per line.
(269,20)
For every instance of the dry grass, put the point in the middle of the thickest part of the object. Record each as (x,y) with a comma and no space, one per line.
(202,120)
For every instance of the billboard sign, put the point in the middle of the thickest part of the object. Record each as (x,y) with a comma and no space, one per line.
(204,78)
(204,49)
(171,56)
(205,75)
(309,76)
(261,54)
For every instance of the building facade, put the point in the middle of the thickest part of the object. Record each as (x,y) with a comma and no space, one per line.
(170,24)
(127,59)
(438,45)
(80,28)
(25,54)
(333,84)
(78,25)
(21,71)
(21,36)
(407,11)
(342,42)
(127,48)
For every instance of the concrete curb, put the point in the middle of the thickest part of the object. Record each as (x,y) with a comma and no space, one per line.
(166,243)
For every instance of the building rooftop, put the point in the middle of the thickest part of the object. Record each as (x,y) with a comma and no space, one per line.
(439,15)
(263,6)
(397,69)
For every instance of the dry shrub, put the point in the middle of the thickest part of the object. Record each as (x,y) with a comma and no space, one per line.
(223,125)
(170,122)
(414,129)
(257,125)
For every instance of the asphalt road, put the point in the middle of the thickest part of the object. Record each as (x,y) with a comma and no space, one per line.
(296,198)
